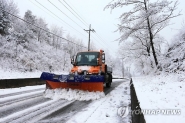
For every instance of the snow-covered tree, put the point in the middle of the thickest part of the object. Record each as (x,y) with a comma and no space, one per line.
(30,29)
(6,20)
(146,18)
(73,45)
(174,59)
(56,40)
(138,51)
(42,32)
(29,17)
(29,46)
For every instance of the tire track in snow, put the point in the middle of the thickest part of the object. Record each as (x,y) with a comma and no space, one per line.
(37,112)
(18,98)
(19,106)
(62,115)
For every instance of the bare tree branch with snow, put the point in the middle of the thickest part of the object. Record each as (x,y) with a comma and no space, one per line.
(144,21)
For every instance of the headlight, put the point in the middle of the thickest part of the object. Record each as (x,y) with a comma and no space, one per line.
(87,77)
(55,76)
(71,77)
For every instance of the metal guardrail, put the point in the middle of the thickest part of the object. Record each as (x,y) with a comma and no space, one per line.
(13,83)
(136,114)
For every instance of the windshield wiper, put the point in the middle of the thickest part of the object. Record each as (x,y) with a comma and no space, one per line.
(82,64)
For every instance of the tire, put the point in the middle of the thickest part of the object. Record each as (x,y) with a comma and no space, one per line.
(108,84)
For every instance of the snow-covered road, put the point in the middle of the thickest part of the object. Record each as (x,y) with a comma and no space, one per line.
(28,104)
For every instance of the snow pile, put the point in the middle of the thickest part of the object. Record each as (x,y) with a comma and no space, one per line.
(70,94)
(162,92)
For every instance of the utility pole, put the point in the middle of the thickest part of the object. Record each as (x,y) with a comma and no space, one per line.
(89,35)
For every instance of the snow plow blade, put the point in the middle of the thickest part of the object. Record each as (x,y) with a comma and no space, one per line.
(91,83)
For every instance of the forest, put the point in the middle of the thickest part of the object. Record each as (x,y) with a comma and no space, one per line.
(29,44)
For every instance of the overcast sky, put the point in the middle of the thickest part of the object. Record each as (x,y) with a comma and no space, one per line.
(92,12)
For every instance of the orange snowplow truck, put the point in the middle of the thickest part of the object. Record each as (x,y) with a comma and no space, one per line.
(89,73)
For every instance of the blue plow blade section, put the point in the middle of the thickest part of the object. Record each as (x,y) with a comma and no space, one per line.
(71,78)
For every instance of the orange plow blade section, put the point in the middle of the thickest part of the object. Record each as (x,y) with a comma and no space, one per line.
(86,86)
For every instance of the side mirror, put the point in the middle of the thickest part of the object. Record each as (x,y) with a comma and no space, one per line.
(72,60)
(103,58)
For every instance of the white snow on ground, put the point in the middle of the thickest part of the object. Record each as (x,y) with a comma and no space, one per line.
(18,74)
(161,93)
(70,94)
(105,109)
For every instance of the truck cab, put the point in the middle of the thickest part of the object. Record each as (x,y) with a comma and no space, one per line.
(92,63)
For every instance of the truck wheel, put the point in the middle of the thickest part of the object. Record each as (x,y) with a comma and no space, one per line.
(108,85)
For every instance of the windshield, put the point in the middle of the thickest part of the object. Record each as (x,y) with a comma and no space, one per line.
(87,58)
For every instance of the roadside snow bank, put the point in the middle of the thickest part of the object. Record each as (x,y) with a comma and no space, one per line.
(162,95)
(70,94)
(17,74)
